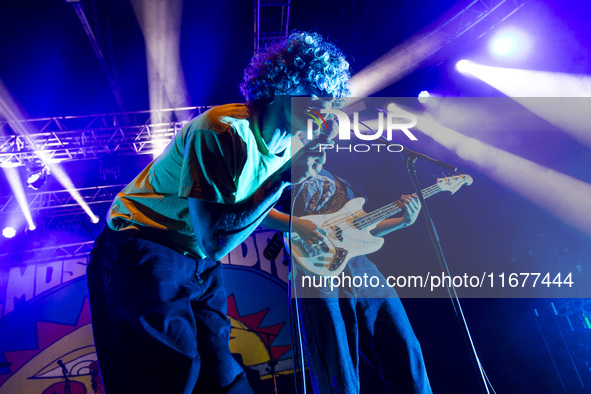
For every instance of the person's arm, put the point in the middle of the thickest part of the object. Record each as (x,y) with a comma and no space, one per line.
(308,231)
(276,220)
(412,206)
(222,227)
(279,221)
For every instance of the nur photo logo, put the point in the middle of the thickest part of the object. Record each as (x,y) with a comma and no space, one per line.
(390,122)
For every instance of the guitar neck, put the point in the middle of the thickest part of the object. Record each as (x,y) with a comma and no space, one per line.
(380,214)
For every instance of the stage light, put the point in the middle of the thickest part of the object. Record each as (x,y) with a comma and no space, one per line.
(32,227)
(37,173)
(510,43)
(95,219)
(424,96)
(10,110)
(8,232)
(504,46)
(110,166)
(464,66)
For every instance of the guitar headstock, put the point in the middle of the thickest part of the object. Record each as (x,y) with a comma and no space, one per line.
(453,183)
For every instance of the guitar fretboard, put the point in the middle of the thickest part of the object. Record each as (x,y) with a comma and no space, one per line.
(380,214)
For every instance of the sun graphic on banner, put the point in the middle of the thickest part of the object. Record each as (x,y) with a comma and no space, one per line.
(253,342)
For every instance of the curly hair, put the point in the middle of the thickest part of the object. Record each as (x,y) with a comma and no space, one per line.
(302,58)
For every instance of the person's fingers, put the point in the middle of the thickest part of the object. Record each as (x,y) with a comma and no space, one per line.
(407,202)
(412,200)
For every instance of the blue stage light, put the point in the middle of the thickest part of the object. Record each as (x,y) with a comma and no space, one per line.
(424,96)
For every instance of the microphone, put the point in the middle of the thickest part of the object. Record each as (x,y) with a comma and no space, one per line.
(412,154)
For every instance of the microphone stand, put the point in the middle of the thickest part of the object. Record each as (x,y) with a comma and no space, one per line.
(67,389)
(410,157)
(272,363)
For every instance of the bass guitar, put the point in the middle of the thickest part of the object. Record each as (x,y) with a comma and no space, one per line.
(347,231)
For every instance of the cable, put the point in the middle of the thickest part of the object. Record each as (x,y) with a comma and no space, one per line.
(297,348)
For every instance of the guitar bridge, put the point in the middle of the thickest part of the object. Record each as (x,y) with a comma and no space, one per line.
(307,249)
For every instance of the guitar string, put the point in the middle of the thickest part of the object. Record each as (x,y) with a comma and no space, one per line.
(372,217)
(384,212)
(377,215)
(397,204)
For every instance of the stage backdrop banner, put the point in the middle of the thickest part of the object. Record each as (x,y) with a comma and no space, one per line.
(45,325)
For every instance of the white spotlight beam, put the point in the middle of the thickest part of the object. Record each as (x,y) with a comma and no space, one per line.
(469,24)
(16,184)
(570,111)
(563,196)
(12,174)
(160,22)
(9,110)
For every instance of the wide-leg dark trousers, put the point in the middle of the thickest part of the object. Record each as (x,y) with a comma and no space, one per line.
(159,319)
(343,325)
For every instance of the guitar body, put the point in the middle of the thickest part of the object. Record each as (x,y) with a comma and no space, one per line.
(342,240)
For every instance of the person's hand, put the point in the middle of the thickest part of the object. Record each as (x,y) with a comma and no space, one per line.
(412,206)
(307,230)
(308,161)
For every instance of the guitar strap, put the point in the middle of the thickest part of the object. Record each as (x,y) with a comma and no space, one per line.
(355,191)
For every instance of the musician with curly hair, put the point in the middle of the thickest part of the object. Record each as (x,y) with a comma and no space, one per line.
(155,281)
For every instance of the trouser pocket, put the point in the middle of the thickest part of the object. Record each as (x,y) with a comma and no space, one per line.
(108,249)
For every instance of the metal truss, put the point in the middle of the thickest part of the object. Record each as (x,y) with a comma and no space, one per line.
(451,35)
(61,201)
(53,252)
(477,19)
(467,26)
(271,21)
(57,210)
(48,253)
(66,138)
